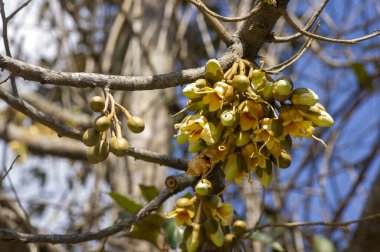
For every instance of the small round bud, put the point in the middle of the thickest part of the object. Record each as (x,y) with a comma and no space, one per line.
(203,187)
(97,103)
(304,96)
(240,82)
(184,203)
(282,89)
(91,137)
(228,117)
(119,146)
(98,153)
(239,228)
(136,124)
(102,123)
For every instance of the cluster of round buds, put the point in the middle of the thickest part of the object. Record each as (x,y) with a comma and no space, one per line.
(246,121)
(207,218)
(107,124)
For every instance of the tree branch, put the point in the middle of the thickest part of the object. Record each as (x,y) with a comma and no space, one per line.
(10,235)
(127,83)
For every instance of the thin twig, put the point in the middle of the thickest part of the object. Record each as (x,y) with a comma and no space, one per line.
(6,79)
(6,44)
(17,10)
(10,168)
(127,224)
(203,8)
(280,67)
(322,38)
(317,223)
(297,35)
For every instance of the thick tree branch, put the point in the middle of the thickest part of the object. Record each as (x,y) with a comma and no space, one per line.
(128,83)
(125,225)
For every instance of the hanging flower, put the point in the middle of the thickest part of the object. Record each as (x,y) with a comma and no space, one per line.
(295,125)
(184,212)
(250,114)
(197,127)
(221,91)
(252,156)
(267,134)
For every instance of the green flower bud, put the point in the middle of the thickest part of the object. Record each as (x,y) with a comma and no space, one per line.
(119,146)
(228,117)
(102,123)
(201,83)
(184,203)
(197,146)
(242,138)
(181,138)
(229,241)
(304,96)
(191,91)
(97,103)
(91,137)
(258,78)
(241,82)
(203,188)
(239,228)
(266,91)
(98,153)
(213,71)
(136,124)
(318,116)
(282,89)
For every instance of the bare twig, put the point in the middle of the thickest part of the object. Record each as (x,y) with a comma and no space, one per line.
(203,8)
(317,223)
(295,36)
(9,235)
(17,10)
(10,168)
(6,79)
(322,38)
(6,44)
(280,67)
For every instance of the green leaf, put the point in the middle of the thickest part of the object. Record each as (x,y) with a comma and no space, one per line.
(265,175)
(127,204)
(266,239)
(361,74)
(322,244)
(148,228)
(148,192)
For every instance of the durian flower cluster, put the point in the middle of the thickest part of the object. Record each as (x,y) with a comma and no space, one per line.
(207,218)
(246,121)
(106,125)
